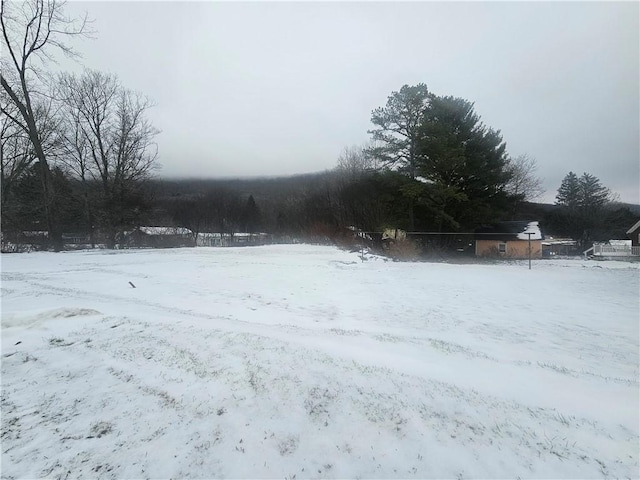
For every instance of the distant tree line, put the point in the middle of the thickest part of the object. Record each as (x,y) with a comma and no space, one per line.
(319,207)
(78,154)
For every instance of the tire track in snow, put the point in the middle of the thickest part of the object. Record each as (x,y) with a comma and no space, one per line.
(234,324)
(490,422)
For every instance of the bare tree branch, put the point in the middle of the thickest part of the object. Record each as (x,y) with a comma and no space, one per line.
(109,138)
(524,183)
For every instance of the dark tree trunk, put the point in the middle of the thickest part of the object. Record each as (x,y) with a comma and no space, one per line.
(49,197)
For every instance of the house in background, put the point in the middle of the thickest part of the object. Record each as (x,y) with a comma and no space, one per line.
(618,248)
(509,240)
(613,248)
(634,234)
(159,237)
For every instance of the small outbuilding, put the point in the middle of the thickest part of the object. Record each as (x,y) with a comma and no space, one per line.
(552,247)
(213,239)
(509,240)
(159,237)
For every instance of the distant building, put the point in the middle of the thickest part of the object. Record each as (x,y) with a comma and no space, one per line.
(552,247)
(509,240)
(613,248)
(391,236)
(618,248)
(159,237)
(214,239)
(634,234)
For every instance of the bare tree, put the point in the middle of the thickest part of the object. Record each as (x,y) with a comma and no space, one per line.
(110,142)
(355,161)
(16,156)
(31,32)
(17,153)
(524,182)
(523,185)
(77,161)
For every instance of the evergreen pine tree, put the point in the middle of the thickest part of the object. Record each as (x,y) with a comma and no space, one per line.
(592,194)
(569,191)
(251,216)
(464,161)
(582,200)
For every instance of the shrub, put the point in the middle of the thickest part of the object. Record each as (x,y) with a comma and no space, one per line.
(404,250)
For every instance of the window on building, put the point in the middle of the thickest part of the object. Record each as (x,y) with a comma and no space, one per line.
(502,247)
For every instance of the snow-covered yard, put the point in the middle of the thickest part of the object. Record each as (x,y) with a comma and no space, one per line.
(303,361)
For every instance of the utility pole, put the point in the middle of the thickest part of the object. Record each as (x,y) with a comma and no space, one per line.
(529,237)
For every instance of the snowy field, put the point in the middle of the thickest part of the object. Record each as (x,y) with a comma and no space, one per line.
(305,362)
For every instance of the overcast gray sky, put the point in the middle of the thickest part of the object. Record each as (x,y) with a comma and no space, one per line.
(262,88)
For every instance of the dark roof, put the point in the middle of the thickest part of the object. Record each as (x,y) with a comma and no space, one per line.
(633,229)
(506,231)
